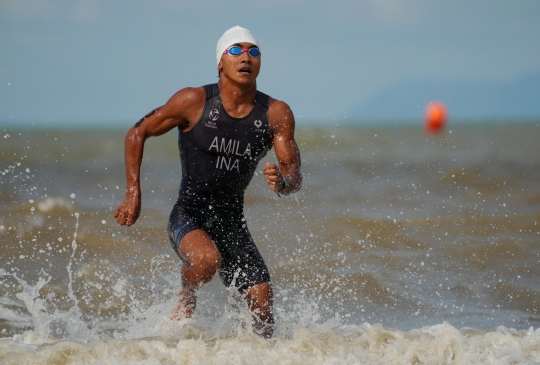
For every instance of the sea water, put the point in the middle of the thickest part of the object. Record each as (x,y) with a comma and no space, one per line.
(401,248)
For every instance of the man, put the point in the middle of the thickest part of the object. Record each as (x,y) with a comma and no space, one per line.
(225,129)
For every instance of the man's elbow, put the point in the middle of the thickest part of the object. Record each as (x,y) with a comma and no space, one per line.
(298,183)
(135,135)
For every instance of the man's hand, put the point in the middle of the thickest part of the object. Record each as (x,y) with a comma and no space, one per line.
(130,209)
(273,176)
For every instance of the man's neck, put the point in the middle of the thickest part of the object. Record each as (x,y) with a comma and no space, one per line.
(237,99)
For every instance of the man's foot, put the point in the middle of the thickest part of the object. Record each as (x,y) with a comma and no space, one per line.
(263,329)
(185,306)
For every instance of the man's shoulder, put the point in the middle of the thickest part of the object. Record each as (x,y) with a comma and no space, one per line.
(189,95)
(186,105)
(280,116)
(278,107)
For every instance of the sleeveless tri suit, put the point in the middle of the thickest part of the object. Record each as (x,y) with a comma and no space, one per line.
(219,157)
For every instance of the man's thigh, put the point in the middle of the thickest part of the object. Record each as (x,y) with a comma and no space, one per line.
(197,245)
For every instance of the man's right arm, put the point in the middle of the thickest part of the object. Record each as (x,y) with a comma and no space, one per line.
(181,110)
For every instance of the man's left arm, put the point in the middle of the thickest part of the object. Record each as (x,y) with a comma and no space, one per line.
(287,177)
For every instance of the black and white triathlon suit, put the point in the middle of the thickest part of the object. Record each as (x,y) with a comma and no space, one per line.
(219,156)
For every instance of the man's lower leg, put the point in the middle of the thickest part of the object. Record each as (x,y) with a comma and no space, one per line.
(194,275)
(260,301)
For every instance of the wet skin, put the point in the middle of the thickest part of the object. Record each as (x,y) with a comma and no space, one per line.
(238,88)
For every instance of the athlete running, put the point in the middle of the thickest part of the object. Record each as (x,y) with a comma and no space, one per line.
(225,129)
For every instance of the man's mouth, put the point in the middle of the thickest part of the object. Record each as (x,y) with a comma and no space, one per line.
(245,70)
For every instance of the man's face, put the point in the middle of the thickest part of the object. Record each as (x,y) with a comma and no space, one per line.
(242,69)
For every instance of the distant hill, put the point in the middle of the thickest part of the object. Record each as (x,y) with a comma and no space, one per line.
(465,99)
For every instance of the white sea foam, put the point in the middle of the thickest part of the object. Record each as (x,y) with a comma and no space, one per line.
(147,336)
(15,319)
(320,344)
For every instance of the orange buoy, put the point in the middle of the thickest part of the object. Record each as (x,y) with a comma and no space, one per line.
(435,117)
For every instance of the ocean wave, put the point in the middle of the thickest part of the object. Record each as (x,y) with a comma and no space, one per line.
(318,344)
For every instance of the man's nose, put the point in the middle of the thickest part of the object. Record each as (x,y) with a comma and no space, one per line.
(245,57)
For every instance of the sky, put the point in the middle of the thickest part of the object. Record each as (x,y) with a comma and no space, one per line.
(108,63)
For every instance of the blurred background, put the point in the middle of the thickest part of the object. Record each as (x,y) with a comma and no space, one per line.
(101,63)
(392,226)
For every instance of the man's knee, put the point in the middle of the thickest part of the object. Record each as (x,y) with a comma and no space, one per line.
(206,263)
(211,260)
(200,252)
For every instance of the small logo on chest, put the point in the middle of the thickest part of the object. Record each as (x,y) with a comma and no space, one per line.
(214,115)
(257,123)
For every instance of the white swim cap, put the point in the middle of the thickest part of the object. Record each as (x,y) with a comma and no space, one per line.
(234,35)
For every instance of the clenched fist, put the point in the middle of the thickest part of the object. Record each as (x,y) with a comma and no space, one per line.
(274,177)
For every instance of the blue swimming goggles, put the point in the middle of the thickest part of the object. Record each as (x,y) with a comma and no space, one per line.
(237,51)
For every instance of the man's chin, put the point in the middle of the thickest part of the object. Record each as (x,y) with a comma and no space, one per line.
(245,80)
(241,79)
